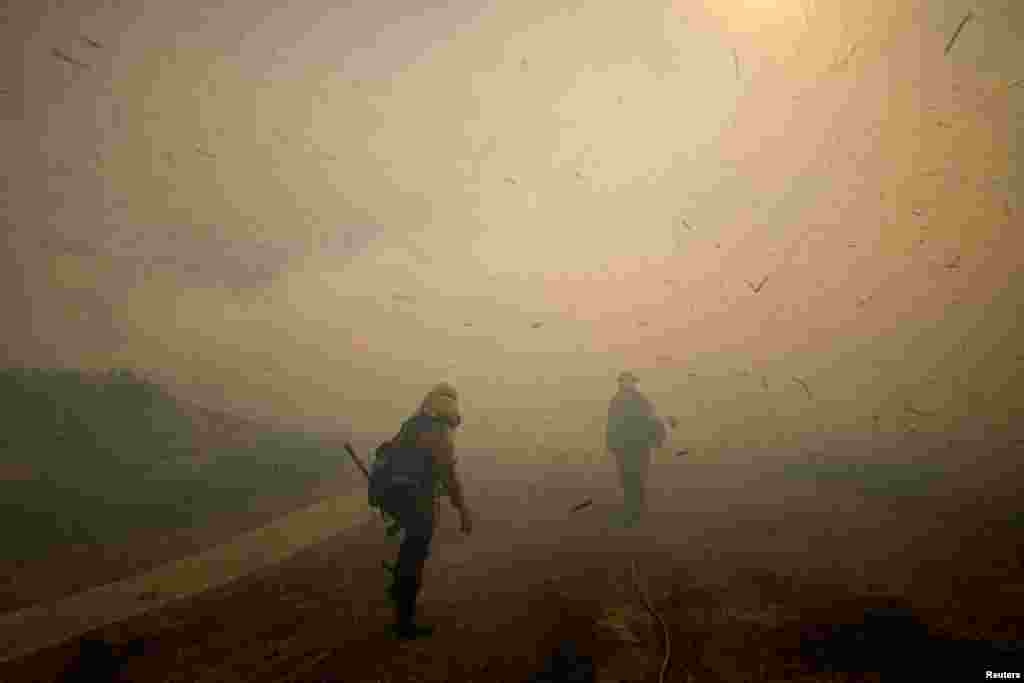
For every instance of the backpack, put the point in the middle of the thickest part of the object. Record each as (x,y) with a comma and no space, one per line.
(399,469)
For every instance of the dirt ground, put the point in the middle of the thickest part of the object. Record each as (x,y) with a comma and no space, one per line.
(738,562)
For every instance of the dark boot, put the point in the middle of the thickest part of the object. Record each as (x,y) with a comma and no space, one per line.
(632,500)
(405,591)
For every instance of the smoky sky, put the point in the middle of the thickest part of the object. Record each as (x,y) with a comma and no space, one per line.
(309,208)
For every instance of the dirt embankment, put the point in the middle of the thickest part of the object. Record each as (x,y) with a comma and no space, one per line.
(27,582)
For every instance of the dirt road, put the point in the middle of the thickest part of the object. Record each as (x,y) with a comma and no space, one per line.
(30,629)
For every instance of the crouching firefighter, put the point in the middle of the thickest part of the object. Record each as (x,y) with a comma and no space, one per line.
(409,475)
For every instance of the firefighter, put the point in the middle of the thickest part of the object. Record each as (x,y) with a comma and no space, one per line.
(421,468)
(633,431)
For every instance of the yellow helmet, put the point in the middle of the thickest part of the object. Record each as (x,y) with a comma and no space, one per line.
(445,389)
(442,403)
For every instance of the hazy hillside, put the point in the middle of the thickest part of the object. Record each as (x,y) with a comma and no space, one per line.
(91,457)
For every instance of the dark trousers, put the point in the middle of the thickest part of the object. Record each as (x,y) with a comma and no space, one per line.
(415,514)
(633,464)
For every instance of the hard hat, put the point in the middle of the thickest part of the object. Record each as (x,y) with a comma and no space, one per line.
(445,389)
(442,402)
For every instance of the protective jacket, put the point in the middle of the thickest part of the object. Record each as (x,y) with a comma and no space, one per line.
(632,423)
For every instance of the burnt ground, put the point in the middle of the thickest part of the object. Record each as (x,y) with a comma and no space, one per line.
(745,567)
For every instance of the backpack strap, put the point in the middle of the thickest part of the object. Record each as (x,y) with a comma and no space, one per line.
(418,423)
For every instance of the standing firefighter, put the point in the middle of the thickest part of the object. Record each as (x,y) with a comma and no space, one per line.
(409,475)
(633,430)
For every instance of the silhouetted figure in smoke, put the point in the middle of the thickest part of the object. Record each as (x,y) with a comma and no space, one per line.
(410,473)
(633,431)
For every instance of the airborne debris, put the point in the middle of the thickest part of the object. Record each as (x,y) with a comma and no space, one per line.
(685,451)
(805,387)
(581,506)
(511,180)
(844,61)
(914,411)
(536,325)
(959,28)
(69,59)
(90,42)
(757,288)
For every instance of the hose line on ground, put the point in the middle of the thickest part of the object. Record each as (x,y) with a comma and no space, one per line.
(650,610)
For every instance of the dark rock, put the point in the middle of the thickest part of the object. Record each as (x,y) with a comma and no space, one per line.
(566,665)
(893,642)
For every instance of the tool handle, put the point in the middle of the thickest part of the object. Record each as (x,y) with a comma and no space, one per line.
(357,461)
(362,468)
